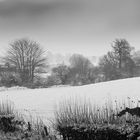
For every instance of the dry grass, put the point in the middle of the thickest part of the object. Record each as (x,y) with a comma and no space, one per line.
(15,127)
(76,119)
(73,112)
(6,108)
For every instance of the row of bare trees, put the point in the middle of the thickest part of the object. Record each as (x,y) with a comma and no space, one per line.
(120,62)
(25,58)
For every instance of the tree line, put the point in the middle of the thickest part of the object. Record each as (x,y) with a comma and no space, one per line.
(25,58)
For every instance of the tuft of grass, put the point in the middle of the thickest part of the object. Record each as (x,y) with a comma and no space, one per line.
(6,108)
(72,112)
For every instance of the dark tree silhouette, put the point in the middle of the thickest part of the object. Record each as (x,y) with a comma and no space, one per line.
(118,63)
(79,68)
(122,51)
(27,56)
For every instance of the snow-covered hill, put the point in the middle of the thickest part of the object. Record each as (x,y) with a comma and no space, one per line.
(44,101)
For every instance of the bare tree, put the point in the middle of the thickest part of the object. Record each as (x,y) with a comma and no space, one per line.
(122,50)
(79,68)
(27,56)
(118,63)
(109,66)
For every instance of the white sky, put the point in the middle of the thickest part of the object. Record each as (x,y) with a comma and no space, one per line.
(70,26)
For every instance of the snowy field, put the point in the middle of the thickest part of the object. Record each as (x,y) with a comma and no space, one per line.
(43,102)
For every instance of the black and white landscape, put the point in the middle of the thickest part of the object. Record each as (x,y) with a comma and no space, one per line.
(69,69)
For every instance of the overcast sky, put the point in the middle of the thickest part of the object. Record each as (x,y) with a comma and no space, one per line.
(68,26)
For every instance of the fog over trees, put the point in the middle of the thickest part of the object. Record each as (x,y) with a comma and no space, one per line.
(118,63)
(25,63)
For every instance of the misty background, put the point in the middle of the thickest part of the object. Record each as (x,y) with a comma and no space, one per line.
(70,26)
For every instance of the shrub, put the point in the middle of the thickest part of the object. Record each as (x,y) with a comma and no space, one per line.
(8,120)
(53,80)
(8,80)
(14,127)
(92,132)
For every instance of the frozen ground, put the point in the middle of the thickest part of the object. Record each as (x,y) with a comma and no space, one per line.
(43,102)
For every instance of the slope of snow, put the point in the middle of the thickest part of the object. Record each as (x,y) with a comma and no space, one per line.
(44,101)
